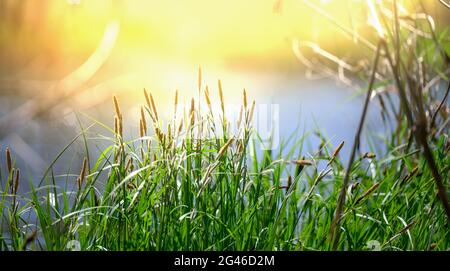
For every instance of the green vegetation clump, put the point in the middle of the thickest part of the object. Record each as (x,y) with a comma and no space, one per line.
(174,189)
(178,191)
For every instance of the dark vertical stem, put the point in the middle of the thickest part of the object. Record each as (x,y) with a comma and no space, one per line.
(334,231)
(419,129)
(401,90)
(421,136)
(441,104)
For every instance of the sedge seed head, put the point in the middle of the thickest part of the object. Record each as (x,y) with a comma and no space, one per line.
(144,122)
(8,159)
(222,103)
(245,98)
(16,181)
(116,106)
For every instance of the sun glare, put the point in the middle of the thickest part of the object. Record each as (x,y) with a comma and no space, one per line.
(100,42)
(374,20)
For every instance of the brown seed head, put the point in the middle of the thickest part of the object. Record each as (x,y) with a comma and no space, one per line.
(8,160)
(83,172)
(222,103)
(16,181)
(289,182)
(303,162)
(224,148)
(368,192)
(369,155)
(147,98)
(154,107)
(129,165)
(116,106)
(180,127)
(169,131)
(151,104)
(141,129)
(192,112)
(240,117)
(252,110)
(410,175)
(120,127)
(245,98)
(208,100)
(175,104)
(117,126)
(336,152)
(144,122)
(159,134)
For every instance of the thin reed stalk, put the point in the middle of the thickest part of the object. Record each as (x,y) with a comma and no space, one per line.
(335,228)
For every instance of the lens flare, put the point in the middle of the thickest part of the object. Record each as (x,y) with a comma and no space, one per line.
(96,60)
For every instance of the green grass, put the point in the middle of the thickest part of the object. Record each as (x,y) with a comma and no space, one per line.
(170,189)
(176,192)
